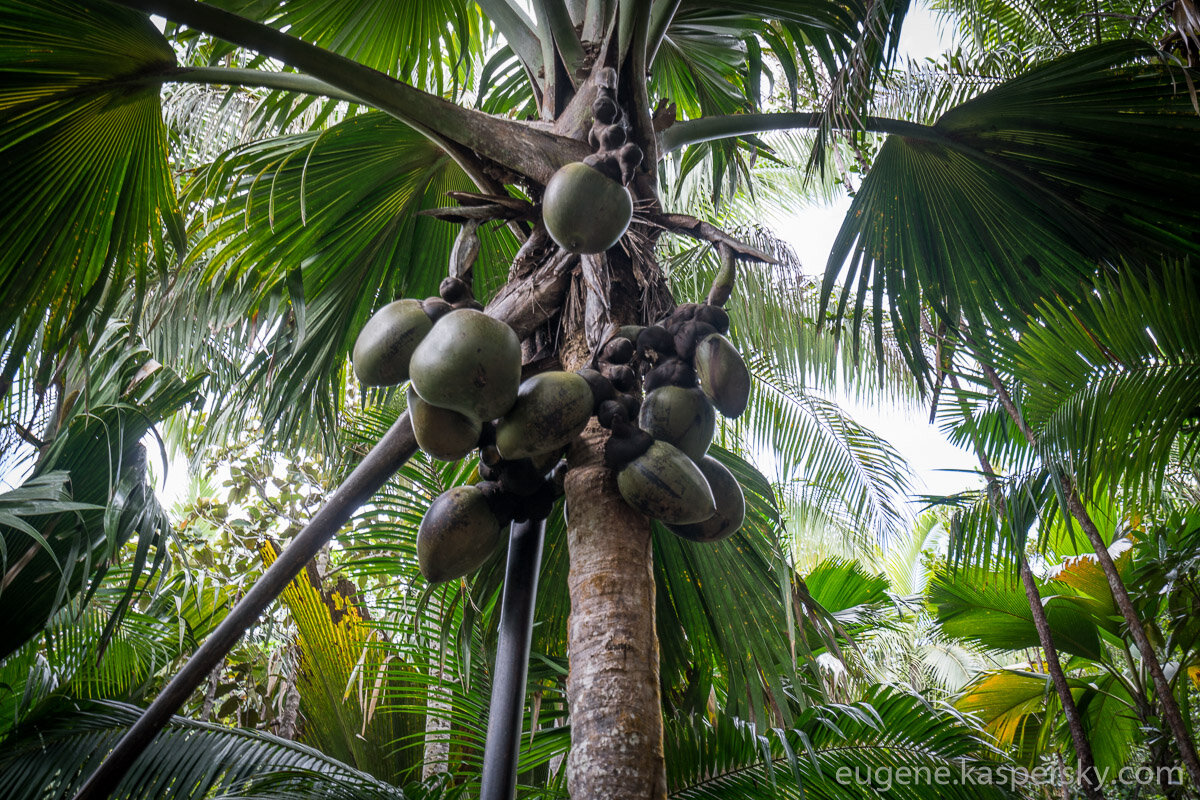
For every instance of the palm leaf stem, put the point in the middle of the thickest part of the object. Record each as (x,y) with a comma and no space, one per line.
(553,15)
(517,30)
(705,129)
(230,76)
(1074,504)
(661,15)
(392,451)
(534,153)
(1083,748)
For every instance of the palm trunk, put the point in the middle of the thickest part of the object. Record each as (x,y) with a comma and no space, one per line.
(613,686)
(1175,721)
(1089,778)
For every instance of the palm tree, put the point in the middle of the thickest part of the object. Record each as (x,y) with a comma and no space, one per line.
(318,228)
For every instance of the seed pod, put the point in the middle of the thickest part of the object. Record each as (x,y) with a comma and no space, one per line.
(470,363)
(444,434)
(730,502)
(605,109)
(682,417)
(385,345)
(618,351)
(666,485)
(715,316)
(551,409)
(602,388)
(623,378)
(585,209)
(436,308)
(632,404)
(612,136)
(684,312)
(520,477)
(630,332)
(723,375)
(453,289)
(625,444)
(670,372)
(458,533)
(630,156)
(611,411)
(502,504)
(655,339)
(689,334)
(605,163)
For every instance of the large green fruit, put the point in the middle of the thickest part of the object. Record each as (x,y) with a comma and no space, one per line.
(666,485)
(469,363)
(458,533)
(551,409)
(584,210)
(386,343)
(444,434)
(683,417)
(731,505)
(723,375)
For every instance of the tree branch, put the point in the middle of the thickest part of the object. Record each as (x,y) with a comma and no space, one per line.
(533,153)
(699,229)
(706,129)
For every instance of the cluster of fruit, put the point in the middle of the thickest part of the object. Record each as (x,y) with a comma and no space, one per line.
(686,368)
(466,392)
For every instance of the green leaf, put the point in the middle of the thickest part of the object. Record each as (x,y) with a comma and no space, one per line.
(83,158)
(991,609)
(187,760)
(1017,195)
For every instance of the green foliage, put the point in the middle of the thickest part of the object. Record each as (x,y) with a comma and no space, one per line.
(1015,196)
(866,742)
(52,757)
(83,158)
(89,492)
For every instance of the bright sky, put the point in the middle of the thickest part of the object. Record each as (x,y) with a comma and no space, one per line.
(938,464)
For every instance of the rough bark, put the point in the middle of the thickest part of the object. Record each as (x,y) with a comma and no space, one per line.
(1170,709)
(613,685)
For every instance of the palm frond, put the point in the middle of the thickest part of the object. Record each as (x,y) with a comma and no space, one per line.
(834,751)
(84,162)
(98,444)
(1016,194)
(308,235)
(52,757)
(1112,382)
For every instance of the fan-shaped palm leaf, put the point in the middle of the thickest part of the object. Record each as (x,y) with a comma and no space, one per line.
(1016,194)
(83,157)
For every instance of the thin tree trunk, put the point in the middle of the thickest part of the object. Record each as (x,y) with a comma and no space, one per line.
(1179,731)
(1089,779)
(613,685)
